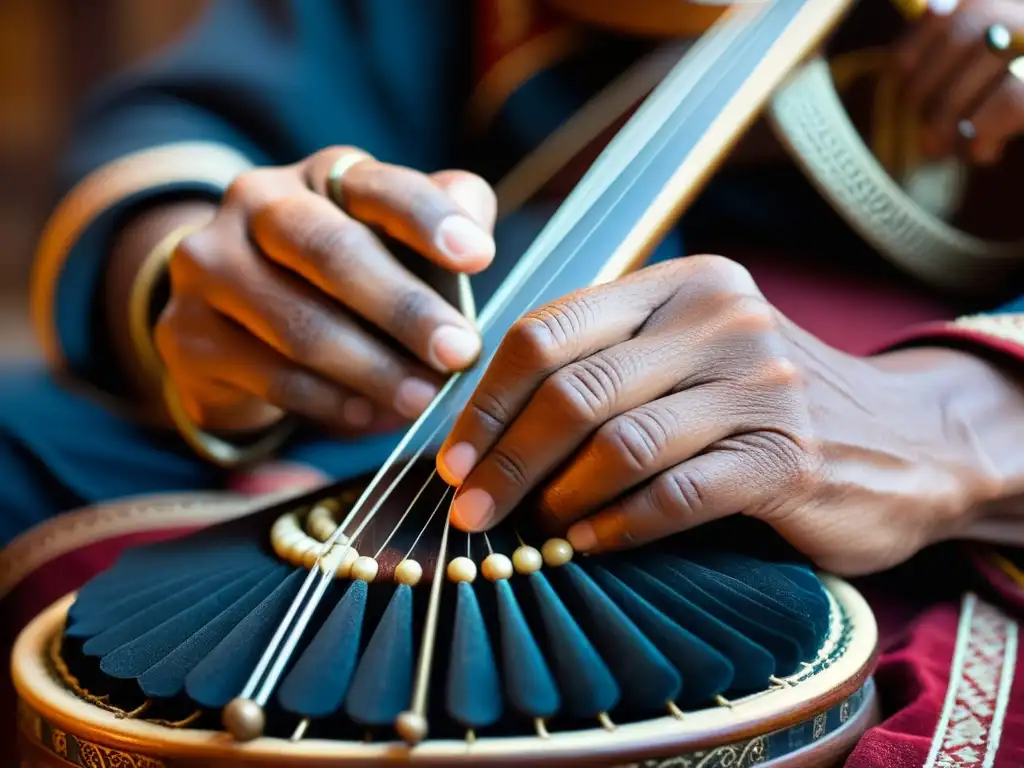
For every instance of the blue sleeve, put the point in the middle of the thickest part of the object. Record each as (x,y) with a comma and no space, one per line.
(255,82)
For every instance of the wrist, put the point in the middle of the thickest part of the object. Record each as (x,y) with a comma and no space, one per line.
(976,412)
(131,251)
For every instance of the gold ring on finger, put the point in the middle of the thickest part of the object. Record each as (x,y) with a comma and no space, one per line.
(336,174)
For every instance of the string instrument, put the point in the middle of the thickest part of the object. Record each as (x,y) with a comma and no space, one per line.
(353,624)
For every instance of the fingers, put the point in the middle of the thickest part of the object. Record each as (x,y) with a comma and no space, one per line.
(981,72)
(472,193)
(737,476)
(679,345)
(345,259)
(631,449)
(920,43)
(213,360)
(936,52)
(997,120)
(566,409)
(414,209)
(293,319)
(540,344)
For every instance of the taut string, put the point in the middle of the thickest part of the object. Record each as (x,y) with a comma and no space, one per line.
(573,250)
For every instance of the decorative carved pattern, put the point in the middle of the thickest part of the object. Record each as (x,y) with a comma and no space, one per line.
(741,755)
(78,751)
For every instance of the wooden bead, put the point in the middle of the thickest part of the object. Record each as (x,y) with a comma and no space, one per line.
(556,552)
(462,569)
(408,572)
(301,548)
(244,719)
(309,559)
(411,727)
(364,569)
(527,560)
(496,567)
(339,561)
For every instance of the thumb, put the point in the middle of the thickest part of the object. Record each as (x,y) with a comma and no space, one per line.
(472,193)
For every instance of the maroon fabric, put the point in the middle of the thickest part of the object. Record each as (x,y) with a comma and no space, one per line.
(47,584)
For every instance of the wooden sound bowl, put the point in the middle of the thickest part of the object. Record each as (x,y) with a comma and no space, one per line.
(814,720)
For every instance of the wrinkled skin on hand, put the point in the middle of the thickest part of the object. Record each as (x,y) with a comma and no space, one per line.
(291,301)
(679,395)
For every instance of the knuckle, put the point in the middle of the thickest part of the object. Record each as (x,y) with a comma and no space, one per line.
(194,256)
(724,272)
(490,410)
(542,339)
(635,440)
(292,390)
(246,189)
(746,313)
(303,335)
(511,465)
(585,390)
(796,459)
(678,497)
(332,153)
(412,313)
(775,372)
(334,248)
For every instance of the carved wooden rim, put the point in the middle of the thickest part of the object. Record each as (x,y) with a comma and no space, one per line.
(757,715)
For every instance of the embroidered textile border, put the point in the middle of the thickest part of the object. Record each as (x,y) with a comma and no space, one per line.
(971,722)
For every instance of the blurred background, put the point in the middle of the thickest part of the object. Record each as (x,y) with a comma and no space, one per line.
(51,52)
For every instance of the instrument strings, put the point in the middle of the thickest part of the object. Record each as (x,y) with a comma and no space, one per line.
(619,156)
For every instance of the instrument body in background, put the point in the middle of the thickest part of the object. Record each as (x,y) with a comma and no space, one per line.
(71,673)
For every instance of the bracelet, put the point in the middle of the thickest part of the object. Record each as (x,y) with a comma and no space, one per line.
(151,274)
(140,308)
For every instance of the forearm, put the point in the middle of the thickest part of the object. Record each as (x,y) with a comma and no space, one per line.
(130,248)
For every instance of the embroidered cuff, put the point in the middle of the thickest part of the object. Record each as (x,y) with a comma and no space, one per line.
(72,250)
(1000,332)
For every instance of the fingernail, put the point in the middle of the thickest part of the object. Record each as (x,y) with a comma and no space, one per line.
(463,241)
(582,537)
(479,203)
(454,348)
(413,396)
(472,509)
(458,461)
(357,411)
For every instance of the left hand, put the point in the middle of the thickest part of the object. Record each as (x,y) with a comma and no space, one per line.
(678,395)
(949,75)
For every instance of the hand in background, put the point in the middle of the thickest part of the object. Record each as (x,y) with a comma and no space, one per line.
(963,90)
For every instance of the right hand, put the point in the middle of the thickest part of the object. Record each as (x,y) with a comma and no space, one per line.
(285,302)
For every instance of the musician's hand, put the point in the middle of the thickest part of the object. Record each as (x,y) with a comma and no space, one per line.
(950,75)
(289,301)
(679,395)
